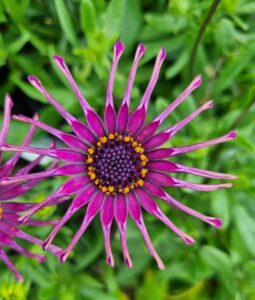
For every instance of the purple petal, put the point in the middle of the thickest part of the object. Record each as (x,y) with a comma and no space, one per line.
(135,213)
(65,70)
(157,191)
(106,216)
(93,208)
(120,213)
(68,139)
(138,116)
(10,265)
(65,170)
(166,180)
(71,120)
(154,77)
(95,123)
(168,152)
(151,207)
(167,166)
(8,104)
(8,167)
(71,186)
(64,154)
(110,115)
(165,135)
(136,120)
(83,197)
(122,117)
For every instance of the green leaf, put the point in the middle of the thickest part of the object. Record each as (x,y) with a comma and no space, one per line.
(133,17)
(65,21)
(245,225)
(219,262)
(88,17)
(233,68)
(113,17)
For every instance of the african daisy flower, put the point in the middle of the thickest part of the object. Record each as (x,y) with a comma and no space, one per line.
(117,165)
(10,211)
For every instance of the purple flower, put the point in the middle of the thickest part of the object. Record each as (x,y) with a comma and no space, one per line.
(10,211)
(117,165)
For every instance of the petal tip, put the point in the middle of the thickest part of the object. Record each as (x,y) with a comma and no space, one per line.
(58,59)
(8,99)
(162,54)
(189,240)
(34,80)
(118,48)
(232,134)
(141,49)
(198,80)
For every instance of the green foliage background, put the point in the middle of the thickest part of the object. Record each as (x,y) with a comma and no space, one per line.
(221,264)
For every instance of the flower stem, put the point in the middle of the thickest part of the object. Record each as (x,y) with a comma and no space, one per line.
(200,34)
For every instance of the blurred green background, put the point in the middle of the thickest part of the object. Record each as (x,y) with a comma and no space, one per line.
(214,38)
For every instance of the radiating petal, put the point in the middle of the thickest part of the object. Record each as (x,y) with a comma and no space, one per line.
(110,114)
(10,265)
(82,198)
(123,113)
(67,138)
(64,154)
(121,213)
(151,207)
(64,170)
(106,216)
(136,214)
(166,180)
(157,191)
(93,208)
(71,186)
(169,152)
(74,123)
(141,110)
(151,128)
(162,137)
(167,166)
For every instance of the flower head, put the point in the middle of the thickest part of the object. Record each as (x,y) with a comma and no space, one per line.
(117,165)
(10,211)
